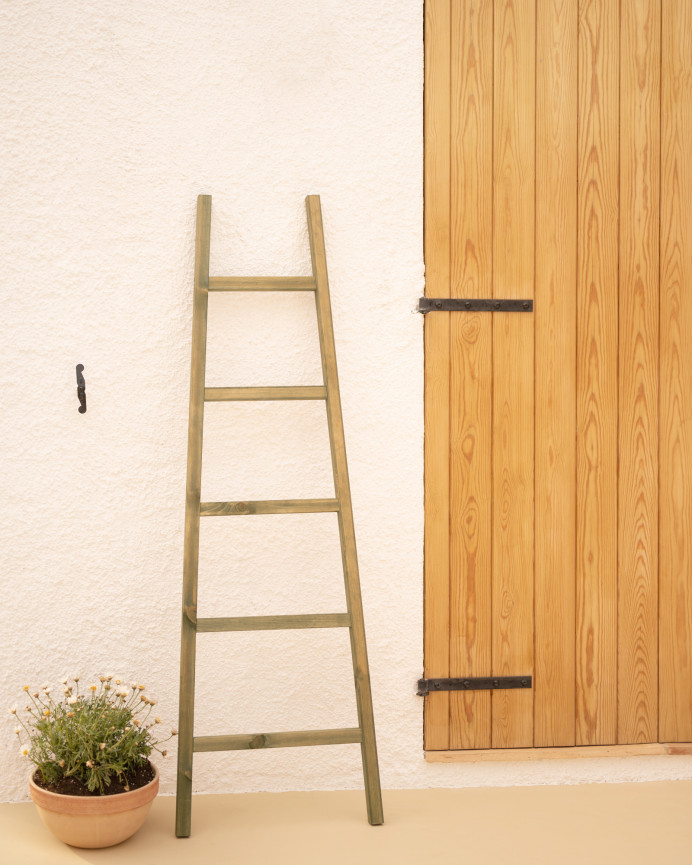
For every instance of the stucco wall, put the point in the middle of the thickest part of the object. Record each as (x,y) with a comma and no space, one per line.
(114,117)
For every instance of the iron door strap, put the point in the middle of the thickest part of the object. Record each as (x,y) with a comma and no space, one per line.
(473,304)
(468,683)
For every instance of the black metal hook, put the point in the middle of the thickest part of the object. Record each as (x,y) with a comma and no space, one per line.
(81,389)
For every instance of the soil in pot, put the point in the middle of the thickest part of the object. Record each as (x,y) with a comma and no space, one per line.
(139,777)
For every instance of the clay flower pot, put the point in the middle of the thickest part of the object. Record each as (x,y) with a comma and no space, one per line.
(94,821)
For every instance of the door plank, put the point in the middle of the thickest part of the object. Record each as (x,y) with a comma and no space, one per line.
(471,369)
(597,367)
(513,264)
(436,408)
(675,664)
(555,315)
(640,45)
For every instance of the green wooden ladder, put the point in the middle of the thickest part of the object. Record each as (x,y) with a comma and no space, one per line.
(188,743)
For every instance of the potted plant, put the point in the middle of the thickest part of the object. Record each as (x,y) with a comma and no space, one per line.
(93,783)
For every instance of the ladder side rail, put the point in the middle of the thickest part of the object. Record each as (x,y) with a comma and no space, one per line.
(192,515)
(337,441)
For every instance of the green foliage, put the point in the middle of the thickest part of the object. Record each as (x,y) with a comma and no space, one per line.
(106,732)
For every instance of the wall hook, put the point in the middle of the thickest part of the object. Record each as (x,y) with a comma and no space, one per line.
(81,389)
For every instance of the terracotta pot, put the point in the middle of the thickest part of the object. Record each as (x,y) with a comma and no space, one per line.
(94,821)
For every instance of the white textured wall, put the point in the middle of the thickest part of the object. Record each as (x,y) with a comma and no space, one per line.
(113,118)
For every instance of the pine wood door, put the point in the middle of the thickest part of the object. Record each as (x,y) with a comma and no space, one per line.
(558,454)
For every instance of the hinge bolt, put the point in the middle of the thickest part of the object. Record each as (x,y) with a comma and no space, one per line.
(526,305)
(438,304)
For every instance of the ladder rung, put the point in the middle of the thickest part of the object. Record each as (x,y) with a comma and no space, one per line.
(245,742)
(261,283)
(216,394)
(288,506)
(273,623)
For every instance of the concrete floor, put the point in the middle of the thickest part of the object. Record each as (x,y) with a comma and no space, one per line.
(597,823)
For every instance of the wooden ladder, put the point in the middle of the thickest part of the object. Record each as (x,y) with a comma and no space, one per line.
(188,743)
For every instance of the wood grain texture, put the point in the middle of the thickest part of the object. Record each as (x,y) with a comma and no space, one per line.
(675,634)
(261,283)
(272,623)
(200,303)
(437,203)
(471,369)
(341,504)
(347,534)
(216,394)
(512,755)
(297,739)
(678,749)
(555,334)
(609,608)
(513,345)
(597,367)
(276,506)
(640,59)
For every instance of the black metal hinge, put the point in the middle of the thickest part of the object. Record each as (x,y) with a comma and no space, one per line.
(472,304)
(482,683)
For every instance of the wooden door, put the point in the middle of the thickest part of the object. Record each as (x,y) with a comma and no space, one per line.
(558,455)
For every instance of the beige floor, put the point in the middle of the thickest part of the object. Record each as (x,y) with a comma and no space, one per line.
(598,823)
